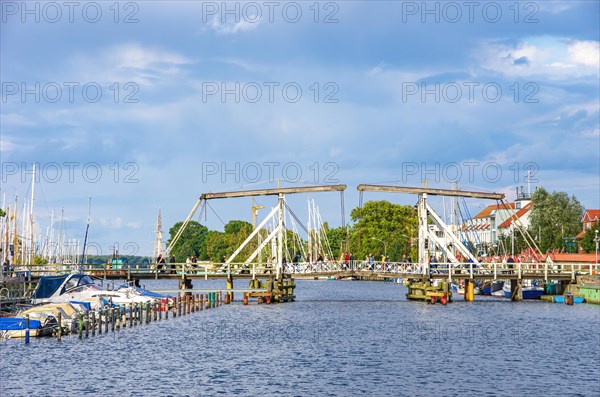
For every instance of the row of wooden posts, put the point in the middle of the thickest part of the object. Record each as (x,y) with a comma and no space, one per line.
(109,319)
(114,318)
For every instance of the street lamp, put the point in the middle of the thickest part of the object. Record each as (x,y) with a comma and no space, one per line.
(384,245)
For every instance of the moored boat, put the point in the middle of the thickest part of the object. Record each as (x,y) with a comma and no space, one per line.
(82,288)
(488,288)
(530,292)
(16,327)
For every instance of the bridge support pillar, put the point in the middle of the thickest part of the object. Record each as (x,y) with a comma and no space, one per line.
(186,283)
(469,290)
(230,287)
(516,290)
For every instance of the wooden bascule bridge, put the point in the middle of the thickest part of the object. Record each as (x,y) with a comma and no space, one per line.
(425,281)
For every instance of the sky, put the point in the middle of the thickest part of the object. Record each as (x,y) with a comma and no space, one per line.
(145,105)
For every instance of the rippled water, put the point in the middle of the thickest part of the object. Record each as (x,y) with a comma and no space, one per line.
(340,338)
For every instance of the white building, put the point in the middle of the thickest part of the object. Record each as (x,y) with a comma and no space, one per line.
(498,220)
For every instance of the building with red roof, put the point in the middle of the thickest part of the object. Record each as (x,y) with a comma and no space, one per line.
(589,220)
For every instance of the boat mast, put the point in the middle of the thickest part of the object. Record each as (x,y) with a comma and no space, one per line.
(87,228)
(159,243)
(15,239)
(31,223)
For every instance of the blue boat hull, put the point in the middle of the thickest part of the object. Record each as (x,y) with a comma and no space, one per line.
(561,299)
(535,294)
(17,323)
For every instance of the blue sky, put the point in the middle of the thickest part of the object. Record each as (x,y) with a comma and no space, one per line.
(196,98)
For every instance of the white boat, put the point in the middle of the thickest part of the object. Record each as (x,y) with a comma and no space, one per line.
(69,313)
(530,291)
(80,288)
(459,289)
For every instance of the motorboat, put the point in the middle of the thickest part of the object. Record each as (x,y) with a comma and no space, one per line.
(81,288)
(488,288)
(531,291)
(69,313)
(40,324)
(460,289)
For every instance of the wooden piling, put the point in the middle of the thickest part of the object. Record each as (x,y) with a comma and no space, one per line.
(245,299)
(27,328)
(113,319)
(93,322)
(131,315)
(469,290)
(118,317)
(106,321)
(87,323)
(80,326)
(516,288)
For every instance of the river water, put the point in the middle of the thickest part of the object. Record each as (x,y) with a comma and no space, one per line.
(340,338)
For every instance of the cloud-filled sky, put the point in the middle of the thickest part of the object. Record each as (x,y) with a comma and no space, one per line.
(145,105)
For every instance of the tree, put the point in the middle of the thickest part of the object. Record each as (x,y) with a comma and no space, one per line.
(553,217)
(381,226)
(338,239)
(588,244)
(216,246)
(191,243)
(2,213)
(223,244)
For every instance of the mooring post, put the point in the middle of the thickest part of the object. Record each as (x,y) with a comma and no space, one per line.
(230,282)
(516,290)
(27,328)
(59,331)
(87,323)
(469,290)
(131,315)
(93,322)
(80,327)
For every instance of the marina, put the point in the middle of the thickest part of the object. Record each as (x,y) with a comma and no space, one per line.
(367,339)
(323,198)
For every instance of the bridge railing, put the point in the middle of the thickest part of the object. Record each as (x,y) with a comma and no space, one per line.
(495,269)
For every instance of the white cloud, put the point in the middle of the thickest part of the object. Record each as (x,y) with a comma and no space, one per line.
(129,62)
(17,120)
(586,53)
(547,57)
(6,146)
(225,28)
